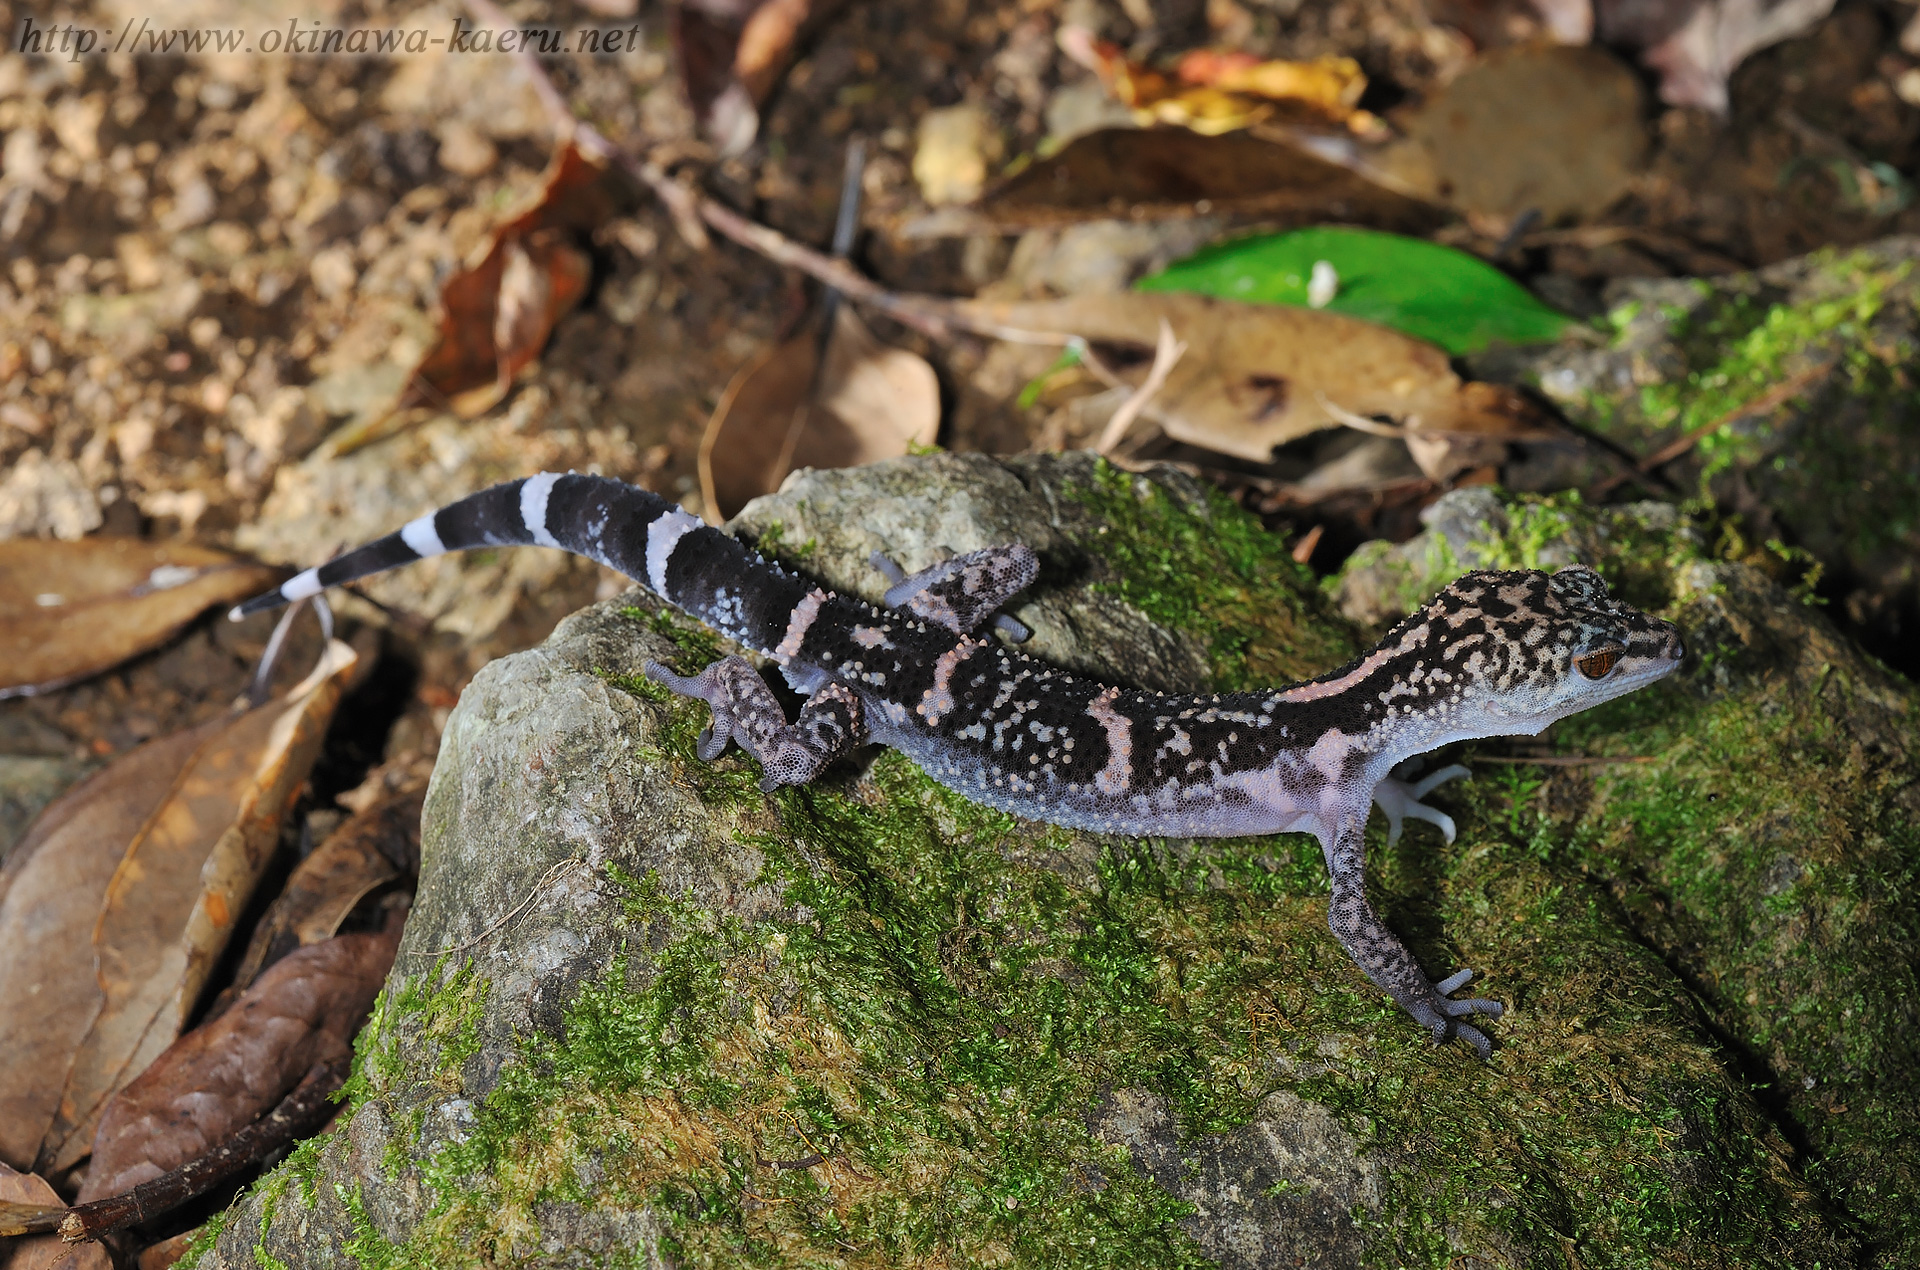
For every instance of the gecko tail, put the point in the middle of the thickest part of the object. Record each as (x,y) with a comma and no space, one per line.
(650,539)
(518,513)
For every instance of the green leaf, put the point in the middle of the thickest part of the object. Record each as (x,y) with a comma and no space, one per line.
(1420,288)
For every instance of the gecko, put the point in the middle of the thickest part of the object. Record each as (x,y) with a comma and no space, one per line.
(1494,653)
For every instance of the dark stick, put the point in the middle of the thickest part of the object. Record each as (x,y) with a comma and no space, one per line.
(301,1112)
(1562,760)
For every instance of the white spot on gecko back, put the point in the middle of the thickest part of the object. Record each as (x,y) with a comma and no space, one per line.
(1117,775)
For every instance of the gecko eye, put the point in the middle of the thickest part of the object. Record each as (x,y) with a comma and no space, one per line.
(1596,664)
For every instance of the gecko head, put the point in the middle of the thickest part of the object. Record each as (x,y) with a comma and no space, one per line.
(1528,647)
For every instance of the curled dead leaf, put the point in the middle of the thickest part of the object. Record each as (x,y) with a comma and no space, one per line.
(1257,376)
(161,918)
(1212,92)
(76,608)
(497,314)
(50,895)
(215,1080)
(794,407)
(733,52)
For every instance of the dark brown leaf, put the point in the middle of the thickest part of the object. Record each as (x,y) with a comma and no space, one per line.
(76,608)
(1160,172)
(367,851)
(864,401)
(217,1079)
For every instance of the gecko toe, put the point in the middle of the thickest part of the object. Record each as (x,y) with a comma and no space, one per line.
(1474,1005)
(1454,982)
(1401,802)
(1453,1011)
(892,572)
(1482,1047)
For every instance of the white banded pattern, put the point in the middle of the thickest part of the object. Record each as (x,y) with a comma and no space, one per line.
(533,507)
(423,536)
(663,535)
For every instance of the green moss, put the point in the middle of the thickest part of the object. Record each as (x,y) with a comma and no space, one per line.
(940,1006)
(438,1009)
(1738,351)
(1760,848)
(1212,571)
(204,1239)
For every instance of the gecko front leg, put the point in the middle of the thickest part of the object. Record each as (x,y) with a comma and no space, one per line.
(745,710)
(1380,954)
(1399,797)
(961,592)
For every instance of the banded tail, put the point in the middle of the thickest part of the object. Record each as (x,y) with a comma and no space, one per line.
(659,545)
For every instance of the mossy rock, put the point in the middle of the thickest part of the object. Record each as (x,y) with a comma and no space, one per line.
(646,1015)
(1798,380)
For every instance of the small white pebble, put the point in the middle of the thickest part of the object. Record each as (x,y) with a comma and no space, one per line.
(1323,285)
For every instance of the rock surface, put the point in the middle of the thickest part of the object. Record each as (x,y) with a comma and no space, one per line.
(646,1015)
(1796,382)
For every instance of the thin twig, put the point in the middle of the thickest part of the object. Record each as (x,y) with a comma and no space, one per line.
(1563,760)
(309,1106)
(559,866)
(936,317)
(1166,355)
(1777,395)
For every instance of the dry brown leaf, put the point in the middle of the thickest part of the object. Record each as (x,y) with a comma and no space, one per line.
(167,1252)
(219,1078)
(1213,92)
(496,315)
(170,906)
(733,52)
(370,849)
(792,408)
(1495,140)
(1160,172)
(76,608)
(22,1193)
(1256,376)
(50,895)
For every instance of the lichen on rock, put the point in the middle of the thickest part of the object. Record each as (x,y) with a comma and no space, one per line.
(645,1014)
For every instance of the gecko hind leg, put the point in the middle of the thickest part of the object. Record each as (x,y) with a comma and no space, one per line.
(1399,797)
(960,593)
(745,710)
(1380,954)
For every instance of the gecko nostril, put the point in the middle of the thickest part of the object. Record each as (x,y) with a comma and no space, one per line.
(1675,648)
